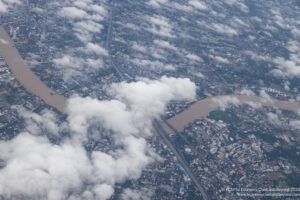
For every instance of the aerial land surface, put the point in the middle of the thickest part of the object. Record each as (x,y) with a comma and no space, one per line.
(198,110)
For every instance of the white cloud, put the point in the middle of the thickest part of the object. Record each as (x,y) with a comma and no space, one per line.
(73,13)
(89,26)
(200,75)
(3,7)
(295,124)
(293,46)
(298,112)
(154,57)
(165,44)
(239,4)
(143,94)
(198,4)
(288,67)
(95,63)
(226,101)
(139,47)
(132,26)
(220,59)
(71,65)
(2,40)
(273,118)
(296,32)
(160,26)
(68,61)
(257,57)
(239,23)
(157,3)
(95,48)
(86,19)
(255,105)
(179,6)
(224,29)
(247,92)
(32,59)
(35,168)
(38,10)
(265,96)
(6,4)
(40,124)
(194,57)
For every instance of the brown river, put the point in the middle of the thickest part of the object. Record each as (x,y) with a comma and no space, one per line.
(35,86)
(25,76)
(203,107)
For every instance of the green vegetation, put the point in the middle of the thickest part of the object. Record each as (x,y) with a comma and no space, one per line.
(3,119)
(192,193)
(293,180)
(229,78)
(289,153)
(267,137)
(224,116)
(228,91)
(2,87)
(10,98)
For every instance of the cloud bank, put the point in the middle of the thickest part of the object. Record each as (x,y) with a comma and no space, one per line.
(35,168)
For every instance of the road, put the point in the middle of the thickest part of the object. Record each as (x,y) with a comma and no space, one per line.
(109,40)
(181,160)
(156,124)
(109,31)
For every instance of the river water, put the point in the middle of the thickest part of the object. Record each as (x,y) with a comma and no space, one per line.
(203,107)
(198,110)
(25,76)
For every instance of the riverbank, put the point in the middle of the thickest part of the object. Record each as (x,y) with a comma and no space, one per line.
(25,76)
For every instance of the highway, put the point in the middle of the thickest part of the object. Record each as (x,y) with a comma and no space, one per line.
(109,40)
(156,124)
(109,31)
(181,160)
